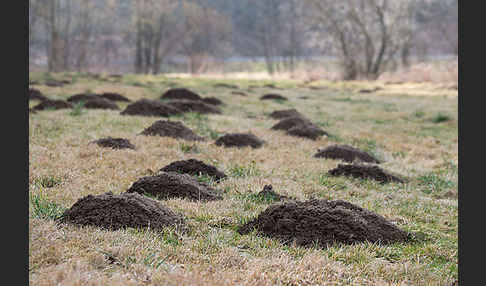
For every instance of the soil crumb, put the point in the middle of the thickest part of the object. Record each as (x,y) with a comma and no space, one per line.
(52,104)
(365,172)
(115,212)
(323,223)
(239,140)
(147,107)
(345,153)
(272,96)
(180,93)
(194,106)
(115,143)
(174,129)
(168,185)
(194,167)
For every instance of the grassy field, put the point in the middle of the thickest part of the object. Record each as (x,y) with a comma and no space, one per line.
(411,127)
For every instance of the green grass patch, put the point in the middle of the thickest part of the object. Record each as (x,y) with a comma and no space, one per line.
(42,207)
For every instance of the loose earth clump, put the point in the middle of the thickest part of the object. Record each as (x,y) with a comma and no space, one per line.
(52,104)
(273,96)
(114,96)
(323,223)
(180,93)
(147,107)
(364,172)
(309,131)
(115,143)
(35,94)
(115,212)
(345,153)
(289,122)
(269,193)
(194,106)
(168,185)
(239,140)
(100,103)
(82,97)
(212,100)
(174,129)
(194,167)
(280,114)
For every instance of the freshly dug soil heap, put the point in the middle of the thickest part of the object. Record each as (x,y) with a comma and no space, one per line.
(225,85)
(56,83)
(239,93)
(194,106)
(364,172)
(100,103)
(212,100)
(167,185)
(52,104)
(114,96)
(174,129)
(268,192)
(115,143)
(289,122)
(120,211)
(82,97)
(307,131)
(147,107)
(280,114)
(180,93)
(324,222)
(272,96)
(194,167)
(35,94)
(239,140)
(345,153)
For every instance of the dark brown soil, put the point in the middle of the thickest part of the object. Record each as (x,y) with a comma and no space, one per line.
(289,122)
(167,185)
(174,129)
(56,83)
(114,96)
(268,192)
(115,143)
(82,97)
(280,114)
(345,153)
(239,140)
(180,93)
(323,223)
(364,172)
(366,90)
(226,85)
(100,103)
(147,107)
(114,212)
(194,167)
(194,106)
(271,85)
(239,93)
(52,104)
(272,96)
(309,131)
(35,94)
(212,100)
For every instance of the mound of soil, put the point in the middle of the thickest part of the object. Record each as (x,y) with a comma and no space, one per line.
(212,100)
(167,185)
(114,96)
(268,192)
(307,131)
(280,114)
(56,83)
(180,93)
(100,103)
(82,97)
(324,223)
(114,212)
(345,153)
(35,94)
(194,106)
(174,129)
(52,104)
(115,143)
(239,140)
(364,172)
(272,96)
(147,107)
(239,93)
(289,122)
(226,85)
(194,167)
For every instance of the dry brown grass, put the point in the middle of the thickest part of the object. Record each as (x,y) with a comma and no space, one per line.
(396,127)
